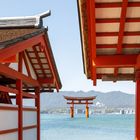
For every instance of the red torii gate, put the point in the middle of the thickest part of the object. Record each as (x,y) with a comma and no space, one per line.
(79,100)
(110,37)
(24,41)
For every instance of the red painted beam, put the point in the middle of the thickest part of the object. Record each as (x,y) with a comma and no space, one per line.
(119,77)
(79,103)
(13,74)
(116,5)
(8,108)
(2,132)
(19,47)
(110,61)
(46,80)
(12,59)
(114,20)
(7,90)
(104,34)
(99,76)
(69,98)
(91,36)
(122,26)
(103,46)
(29,127)
(30,109)
(121,30)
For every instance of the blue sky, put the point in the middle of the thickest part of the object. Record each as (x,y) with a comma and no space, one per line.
(65,40)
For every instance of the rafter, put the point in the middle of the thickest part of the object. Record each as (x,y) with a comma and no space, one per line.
(122,26)
(121,30)
(116,4)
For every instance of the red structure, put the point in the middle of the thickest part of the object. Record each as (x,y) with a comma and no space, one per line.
(110,37)
(27,67)
(79,100)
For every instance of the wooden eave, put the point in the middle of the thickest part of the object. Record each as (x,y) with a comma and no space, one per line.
(38,51)
(84,35)
(117,36)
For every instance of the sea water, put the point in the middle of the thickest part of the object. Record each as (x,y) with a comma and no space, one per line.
(97,127)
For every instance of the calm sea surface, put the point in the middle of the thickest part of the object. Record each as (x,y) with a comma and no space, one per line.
(97,127)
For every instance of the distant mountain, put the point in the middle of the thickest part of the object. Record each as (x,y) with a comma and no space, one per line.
(110,99)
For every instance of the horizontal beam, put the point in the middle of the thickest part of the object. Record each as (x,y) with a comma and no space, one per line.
(11,108)
(102,34)
(19,47)
(2,132)
(115,61)
(116,20)
(118,78)
(7,90)
(30,109)
(25,96)
(13,74)
(80,98)
(12,59)
(42,90)
(79,103)
(100,75)
(115,46)
(29,127)
(46,80)
(29,95)
(116,5)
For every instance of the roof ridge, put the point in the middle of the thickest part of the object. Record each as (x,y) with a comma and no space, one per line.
(35,21)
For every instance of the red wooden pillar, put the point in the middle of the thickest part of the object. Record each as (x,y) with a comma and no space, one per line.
(92,37)
(37,104)
(19,101)
(72,110)
(137,110)
(87,110)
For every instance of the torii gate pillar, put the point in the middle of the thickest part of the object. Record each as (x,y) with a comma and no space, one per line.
(87,112)
(72,111)
(137,110)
